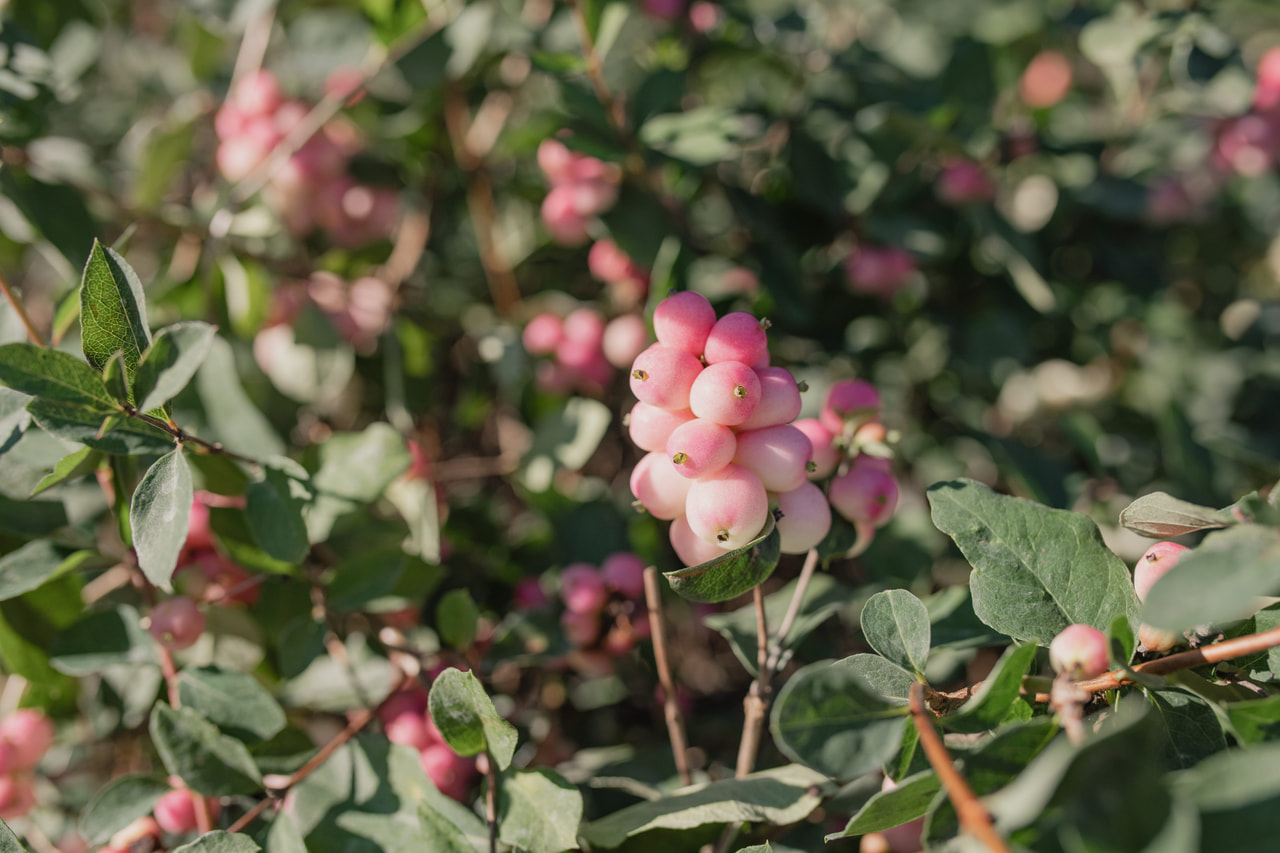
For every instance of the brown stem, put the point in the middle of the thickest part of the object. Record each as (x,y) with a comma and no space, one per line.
(756,702)
(491,801)
(973,815)
(793,610)
(670,705)
(33,334)
(182,437)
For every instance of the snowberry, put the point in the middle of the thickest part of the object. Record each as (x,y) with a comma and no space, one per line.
(701,447)
(778,454)
(806,518)
(624,572)
(1046,79)
(1079,652)
(737,336)
(878,270)
(1156,639)
(728,508)
(176,623)
(582,588)
(448,771)
(726,392)
(529,594)
(865,494)
(779,399)
(826,456)
(564,223)
(403,702)
(964,182)
(683,320)
(663,376)
(625,337)
(692,549)
(609,263)
(650,426)
(30,734)
(849,400)
(175,811)
(555,159)
(1267,94)
(659,487)
(580,629)
(1158,559)
(257,94)
(410,728)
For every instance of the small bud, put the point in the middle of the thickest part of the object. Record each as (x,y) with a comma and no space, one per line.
(639,375)
(680,458)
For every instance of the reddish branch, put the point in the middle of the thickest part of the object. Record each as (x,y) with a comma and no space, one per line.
(670,705)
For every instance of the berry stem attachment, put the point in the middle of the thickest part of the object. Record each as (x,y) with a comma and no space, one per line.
(670,706)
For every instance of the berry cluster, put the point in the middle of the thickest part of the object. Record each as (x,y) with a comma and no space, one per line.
(584,349)
(962,181)
(405,720)
(312,189)
(603,607)
(582,187)
(25,736)
(878,270)
(628,283)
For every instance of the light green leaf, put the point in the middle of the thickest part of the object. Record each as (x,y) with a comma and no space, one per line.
(989,707)
(113,310)
(73,465)
(1036,570)
(28,567)
(1217,582)
(83,425)
(538,811)
(1191,726)
(51,374)
(234,701)
(467,720)
(232,417)
(210,762)
(170,362)
(1255,720)
(887,679)
(439,834)
(732,573)
(896,624)
(220,842)
(456,618)
(9,842)
(887,809)
(1238,796)
(118,804)
(284,837)
(159,514)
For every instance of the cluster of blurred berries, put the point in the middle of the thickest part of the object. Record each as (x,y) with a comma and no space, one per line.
(584,349)
(582,188)
(406,720)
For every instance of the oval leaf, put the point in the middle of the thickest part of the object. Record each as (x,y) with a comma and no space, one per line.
(467,720)
(887,809)
(732,574)
(207,760)
(989,707)
(232,700)
(896,624)
(170,362)
(538,811)
(1160,515)
(51,374)
(113,310)
(118,804)
(159,515)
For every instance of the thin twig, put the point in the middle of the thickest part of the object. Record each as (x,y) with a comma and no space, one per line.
(595,72)
(183,437)
(756,702)
(491,800)
(973,815)
(253,46)
(33,334)
(670,704)
(793,609)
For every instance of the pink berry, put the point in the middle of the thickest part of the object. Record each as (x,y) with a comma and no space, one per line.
(625,338)
(1248,144)
(257,94)
(554,158)
(737,336)
(448,771)
(584,325)
(17,796)
(865,494)
(703,16)
(409,728)
(1046,79)
(650,426)
(692,549)
(728,508)
(826,457)
(592,196)
(240,155)
(878,270)
(663,376)
(1159,559)
(849,400)
(582,588)
(779,455)
(618,640)
(175,811)
(529,594)
(1079,652)
(1157,639)
(578,355)
(404,702)
(726,392)
(580,629)
(176,623)
(659,487)
(964,182)
(229,121)
(624,572)
(565,225)
(1267,95)
(701,447)
(779,399)
(806,518)
(683,320)
(30,733)
(608,263)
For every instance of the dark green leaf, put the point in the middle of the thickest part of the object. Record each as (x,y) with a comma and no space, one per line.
(51,374)
(888,809)
(538,811)
(1218,581)
(169,363)
(82,425)
(456,618)
(896,624)
(467,720)
(210,762)
(58,211)
(987,708)
(1036,570)
(159,515)
(284,837)
(75,464)
(1192,730)
(220,842)
(732,574)
(234,701)
(273,507)
(828,717)
(1162,516)
(118,804)
(115,377)
(113,310)
(823,598)
(1238,795)
(100,640)
(365,578)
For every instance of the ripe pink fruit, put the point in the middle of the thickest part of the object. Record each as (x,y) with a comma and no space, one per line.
(403,702)
(410,728)
(609,263)
(701,447)
(806,518)
(849,400)
(17,796)
(663,376)
(582,588)
(683,320)
(659,487)
(240,155)
(529,594)
(1151,566)
(964,182)
(826,457)
(726,392)
(1080,652)
(30,734)
(650,426)
(176,623)
(449,772)
(737,336)
(878,270)
(703,16)
(865,494)
(624,572)
(1267,95)
(1248,144)
(555,159)
(625,338)
(692,549)
(584,325)
(565,225)
(1156,639)
(1046,79)
(777,454)
(257,94)
(175,811)
(779,399)
(728,508)
(580,629)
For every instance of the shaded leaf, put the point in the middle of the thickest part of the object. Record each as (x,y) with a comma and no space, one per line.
(896,624)
(210,762)
(118,804)
(28,567)
(159,514)
(220,842)
(1255,720)
(170,362)
(51,374)
(1192,730)
(274,507)
(1217,582)
(467,720)
(100,640)
(75,464)
(887,809)
(83,425)
(822,599)
(456,618)
(884,677)
(538,811)
(113,310)
(234,701)
(987,708)
(1162,516)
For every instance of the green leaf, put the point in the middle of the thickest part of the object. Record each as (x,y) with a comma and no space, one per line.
(456,618)
(538,811)
(210,762)
(113,310)
(234,701)
(73,465)
(1036,570)
(82,425)
(118,804)
(170,362)
(822,599)
(829,718)
(989,707)
(273,507)
(220,842)
(159,514)
(101,640)
(733,573)
(887,809)
(439,833)
(896,624)
(1191,726)
(365,578)
(354,469)
(1217,582)
(779,796)
(1162,516)
(51,374)
(231,416)
(327,684)
(28,567)
(1238,795)
(1255,720)
(887,679)
(9,842)
(284,837)
(467,720)
(115,377)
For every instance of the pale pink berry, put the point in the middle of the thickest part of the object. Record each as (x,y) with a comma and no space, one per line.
(964,182)
(582,588)
(448,771)
(625,337)
(403,702)
(1079,652)
(865,495)
(592,196)
(618,640)
(345,83)
(17,796)
(1156,639)
(779,399)
(651,426)
(704,16)
(529,594)
(849,400)
(257,94)
(1159,559)
(640,627)
(229,121)
(409,728)
(609,263)
(1267,94)
(663,376)
(30,733)
(565,225)
(176,623)
(578,354)
(1248,144)
(1046,79)
(554,158)
(240,155)
(726,392)
(580,629)
(584,325)
(779,455)
(683,320)
(624,572)
(664,10)
(878,270)
(806,518)
(729,508)
(659,487)
(692,549)
(737,336)
(175,811)
(826,456)
(199,534)
(701,447)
